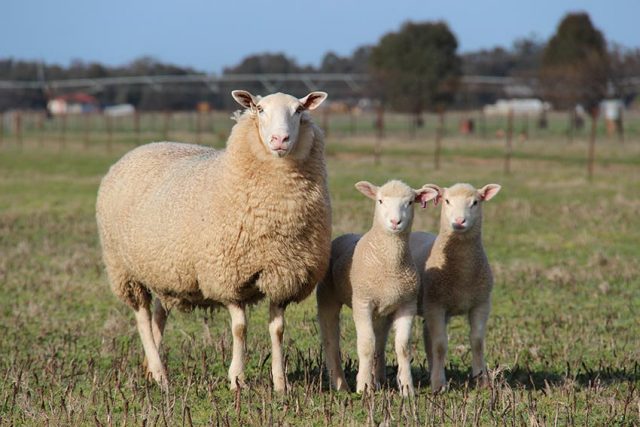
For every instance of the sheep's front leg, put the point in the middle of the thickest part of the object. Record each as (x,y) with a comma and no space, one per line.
(155,366)
(381,328)
(365,336)
(435,320)
(402,321)
(239,332)
(276,330)
(478,317)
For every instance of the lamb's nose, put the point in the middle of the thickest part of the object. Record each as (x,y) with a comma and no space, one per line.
(460,220)
(396,222)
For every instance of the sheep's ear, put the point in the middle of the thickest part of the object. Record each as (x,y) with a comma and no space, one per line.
(368,189)
(489,191)
(436,198)
(426,193)
(244,98)
(313,100)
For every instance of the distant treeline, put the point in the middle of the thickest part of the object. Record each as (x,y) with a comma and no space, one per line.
(523,59)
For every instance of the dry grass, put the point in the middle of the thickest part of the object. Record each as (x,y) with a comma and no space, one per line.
(563,344)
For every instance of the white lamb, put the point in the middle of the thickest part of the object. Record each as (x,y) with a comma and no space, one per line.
(374,274)
(456,276)
(197,227)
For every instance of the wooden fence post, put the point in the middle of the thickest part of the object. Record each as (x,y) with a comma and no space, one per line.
(87,129)
(136,126)
(509,142)
(377,150)
(592,142)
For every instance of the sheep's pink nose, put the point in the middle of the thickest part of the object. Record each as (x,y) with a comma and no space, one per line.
(395,222)
(460,220)
(278,141)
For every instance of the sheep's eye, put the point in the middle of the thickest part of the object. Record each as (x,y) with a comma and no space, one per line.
(410,202)
(475,202)
(380,201)
(299,109)
(447,200)
(260,109)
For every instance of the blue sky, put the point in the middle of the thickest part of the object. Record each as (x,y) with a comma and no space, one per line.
(209,35)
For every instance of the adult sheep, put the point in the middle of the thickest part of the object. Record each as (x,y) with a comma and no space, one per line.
(199,227)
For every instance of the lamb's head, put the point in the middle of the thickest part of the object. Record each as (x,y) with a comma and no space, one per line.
(462,205)
(279,116)
(395,203)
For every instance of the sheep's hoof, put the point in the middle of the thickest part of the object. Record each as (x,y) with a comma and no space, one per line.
(440,387)
(342,385)
(482,379)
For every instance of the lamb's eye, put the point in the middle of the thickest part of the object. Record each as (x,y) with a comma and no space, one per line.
(380,201)
(299,109)
(410,202)
(475,202)
(447,200)
(260,109)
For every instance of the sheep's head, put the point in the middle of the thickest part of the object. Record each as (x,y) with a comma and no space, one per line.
(279,116)
(395,203)
(462,205)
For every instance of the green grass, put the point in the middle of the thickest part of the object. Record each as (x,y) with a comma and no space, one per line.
(562,341)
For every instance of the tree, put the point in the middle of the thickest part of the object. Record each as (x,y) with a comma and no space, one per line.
(417,68)
(575,64)
(575,68)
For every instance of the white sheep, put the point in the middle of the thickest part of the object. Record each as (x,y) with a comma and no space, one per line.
(374,274)
(456,276)
(198,227)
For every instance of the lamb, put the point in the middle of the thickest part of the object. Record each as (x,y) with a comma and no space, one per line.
(374,274)
(456,276)
(199,227)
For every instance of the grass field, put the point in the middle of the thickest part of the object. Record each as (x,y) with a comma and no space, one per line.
(563,344)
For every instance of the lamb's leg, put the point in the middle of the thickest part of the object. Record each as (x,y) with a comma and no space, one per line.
(276,330)
(428,346)
(478,317)
(362,316)
(143,321)
(402,321)
(435,320)
(329,320)
(381,328)
(239,331)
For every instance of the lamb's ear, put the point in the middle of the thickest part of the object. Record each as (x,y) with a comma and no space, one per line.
(437,197)
(313,100)
(244,98)
(426,193)
(489,191)
(368,189)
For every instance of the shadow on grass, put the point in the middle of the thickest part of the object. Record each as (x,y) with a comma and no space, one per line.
(459,377)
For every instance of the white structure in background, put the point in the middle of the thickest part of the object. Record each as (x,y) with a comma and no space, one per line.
(119,110)
(73,103)
(612,109)
(502,107)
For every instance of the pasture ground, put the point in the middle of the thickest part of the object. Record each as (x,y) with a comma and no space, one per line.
(562,345)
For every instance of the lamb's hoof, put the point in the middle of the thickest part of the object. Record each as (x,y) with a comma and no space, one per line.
(237,384)
(365,388)
(407,391)
(342,386)
(439,388)
(482,380)
(280,386)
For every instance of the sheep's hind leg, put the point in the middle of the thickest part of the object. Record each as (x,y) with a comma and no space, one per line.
(402,321)
(239,331)
(276,330)
(154,366)
(435,319)
(329,320)
(158,321)
(478,321)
